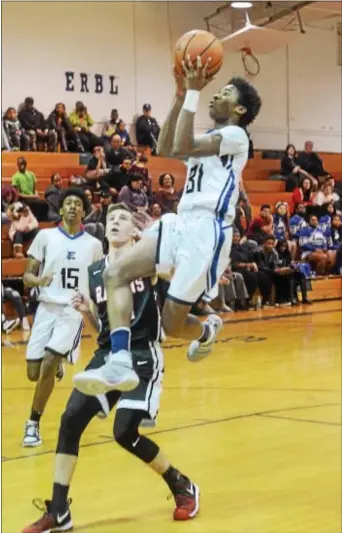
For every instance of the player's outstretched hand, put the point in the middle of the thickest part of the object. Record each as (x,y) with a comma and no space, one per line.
(79,303)
(180,83)
(45,281)
(196,76)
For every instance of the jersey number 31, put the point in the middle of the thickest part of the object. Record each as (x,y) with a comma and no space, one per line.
(194,179)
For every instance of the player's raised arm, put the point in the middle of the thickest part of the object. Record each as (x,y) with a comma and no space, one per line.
(167,132)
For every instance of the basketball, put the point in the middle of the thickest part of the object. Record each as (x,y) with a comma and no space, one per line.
(199,43)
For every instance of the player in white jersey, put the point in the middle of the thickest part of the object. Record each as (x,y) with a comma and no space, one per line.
(195,244)
(58,266)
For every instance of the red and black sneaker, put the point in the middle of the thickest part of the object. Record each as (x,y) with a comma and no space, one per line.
(186,496)
(50,522)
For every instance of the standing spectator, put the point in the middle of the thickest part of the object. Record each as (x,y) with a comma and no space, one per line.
(311,162)
(261,225)
(81,123)
(24,227)
(92,222)
(9,195)
(291,169)
(147,129)
(52,197)
(110,127)
(133,195)
(36,127)
(297,222)
(123,133)
(17,138)
(10,295)
(302,195)
(166,196)
(314,247)
(117,153)
(59,122)
(24,182)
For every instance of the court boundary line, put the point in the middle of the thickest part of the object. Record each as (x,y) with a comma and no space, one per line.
(292,419)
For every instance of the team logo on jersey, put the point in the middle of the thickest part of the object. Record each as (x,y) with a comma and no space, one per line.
(71,255)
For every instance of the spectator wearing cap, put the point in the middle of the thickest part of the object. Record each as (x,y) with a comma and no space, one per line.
(133,194)
(81,123)
(110,127)
(36,127)
(147,129)
(166,196)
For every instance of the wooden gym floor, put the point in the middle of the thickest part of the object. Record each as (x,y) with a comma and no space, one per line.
(257,426)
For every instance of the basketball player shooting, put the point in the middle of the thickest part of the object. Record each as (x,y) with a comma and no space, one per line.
(193,245)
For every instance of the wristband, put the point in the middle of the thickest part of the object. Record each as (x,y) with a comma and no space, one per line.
(191,101)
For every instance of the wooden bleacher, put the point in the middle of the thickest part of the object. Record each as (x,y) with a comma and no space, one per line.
(260,190)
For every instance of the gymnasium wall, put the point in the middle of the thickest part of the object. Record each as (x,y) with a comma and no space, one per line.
(133,41)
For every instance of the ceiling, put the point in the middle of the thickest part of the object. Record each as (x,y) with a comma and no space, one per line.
(280,15)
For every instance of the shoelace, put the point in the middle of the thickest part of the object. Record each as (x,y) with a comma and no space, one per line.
(32,430)
(43,506)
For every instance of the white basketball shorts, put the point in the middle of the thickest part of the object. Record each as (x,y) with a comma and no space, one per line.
(56,329)
(195,247)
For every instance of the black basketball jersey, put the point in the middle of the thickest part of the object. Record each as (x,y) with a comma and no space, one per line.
(145,325)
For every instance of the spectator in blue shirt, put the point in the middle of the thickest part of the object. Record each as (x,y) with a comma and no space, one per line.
(314,247)
(297,222)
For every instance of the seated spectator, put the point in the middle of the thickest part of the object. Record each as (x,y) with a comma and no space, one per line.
(9,195)
(297,222)
(59,122)
(281,226)
(133,195)
(12,296)
(325,220)
(99,175)
(311,162)
(52,197)
(232,292)
(314,247)
(36,127)
(24,181)
(81,123)
(139,167)
(5,145)
(117,153)
(156,212)
(266,259)
(147,129)
(334,233)
(91,222)
(261,225)
(166,196)
(291,169)
(242,261)
(302,195)
(24,227)
(326,196)
(338,265)
(123,133)
(290,277)
(17,138)
(110,127)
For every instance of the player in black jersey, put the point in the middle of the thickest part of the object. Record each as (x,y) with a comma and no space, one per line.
(132,406)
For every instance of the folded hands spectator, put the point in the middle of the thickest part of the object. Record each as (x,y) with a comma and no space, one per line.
(58,121)
(261,225)
(17,138)
(24,227)
(314,247)
(36,127)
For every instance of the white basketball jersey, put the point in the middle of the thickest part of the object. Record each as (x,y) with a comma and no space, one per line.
(67,259)
(212,182)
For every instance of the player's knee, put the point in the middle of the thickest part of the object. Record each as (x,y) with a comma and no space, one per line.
(49,366)
(172,322)
(33,372)
(125,436)
(69,434)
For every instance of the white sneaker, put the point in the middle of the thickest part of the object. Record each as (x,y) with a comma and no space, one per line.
(25,325)
(32,435)
(199,350)
(116,374)
(8,326)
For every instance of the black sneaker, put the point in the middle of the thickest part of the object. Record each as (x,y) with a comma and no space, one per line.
(50,522)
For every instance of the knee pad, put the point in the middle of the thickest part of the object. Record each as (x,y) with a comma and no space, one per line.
(69,435)
(140,446)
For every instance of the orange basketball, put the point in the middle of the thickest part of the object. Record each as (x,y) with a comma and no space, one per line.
(199,43)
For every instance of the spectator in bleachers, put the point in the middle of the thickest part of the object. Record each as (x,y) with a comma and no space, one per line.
(314,247)
(17,138)
(58,121)
(291,169)
(326,196)
(325,219)
(266,259)
(261,225)
(167,197)
(117,153)
(110,127)
(232,292)
(297,222)
(156,212)
(123,133)
(139,167)
(24,182)
(5,145)
(52,197)
(147,129)
(24,227)
(338,265)
(81,123)
(334,233)
(92,222)
(133,194)
(281,226)
(9,195)
(303,195)
(10,295)
(36,127)
(242,261)
(289,277)
(99,175)
(311,162)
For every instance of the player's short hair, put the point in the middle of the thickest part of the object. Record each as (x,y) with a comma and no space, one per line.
(75,191)
(248,98)
(116,207)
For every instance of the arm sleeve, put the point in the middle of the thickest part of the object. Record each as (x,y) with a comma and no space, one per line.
(38,247)
(233,140)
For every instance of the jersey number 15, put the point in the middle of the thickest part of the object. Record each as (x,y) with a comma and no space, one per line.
(70,278)
(194,179)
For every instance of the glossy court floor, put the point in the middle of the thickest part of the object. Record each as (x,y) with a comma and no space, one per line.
(257,426)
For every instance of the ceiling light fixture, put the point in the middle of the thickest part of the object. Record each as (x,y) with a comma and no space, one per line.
(241,5)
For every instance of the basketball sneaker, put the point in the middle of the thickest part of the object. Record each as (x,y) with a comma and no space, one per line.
(186,495)
(32,436)
(50,522)
(116,374)
(199,350)
(8,326)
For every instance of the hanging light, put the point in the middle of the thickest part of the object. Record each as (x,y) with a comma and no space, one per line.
(241,5)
